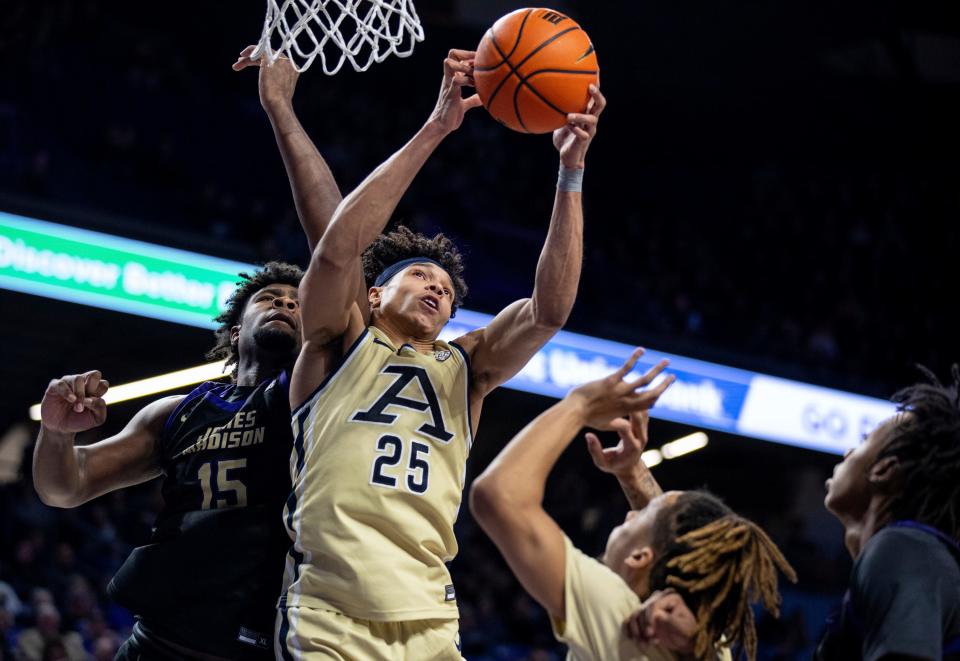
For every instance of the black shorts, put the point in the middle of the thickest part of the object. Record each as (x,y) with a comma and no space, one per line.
(141,646)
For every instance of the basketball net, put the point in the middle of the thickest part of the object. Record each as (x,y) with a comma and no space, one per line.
(359,31)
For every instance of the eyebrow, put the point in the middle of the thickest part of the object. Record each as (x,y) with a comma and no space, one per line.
(434,268)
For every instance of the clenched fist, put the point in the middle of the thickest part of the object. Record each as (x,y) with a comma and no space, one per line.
(74,403)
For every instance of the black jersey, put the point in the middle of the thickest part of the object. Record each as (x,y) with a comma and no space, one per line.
(210,577)
(904,599)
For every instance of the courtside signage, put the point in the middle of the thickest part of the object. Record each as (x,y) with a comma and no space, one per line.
(105,271)
(140,278)
(705,394)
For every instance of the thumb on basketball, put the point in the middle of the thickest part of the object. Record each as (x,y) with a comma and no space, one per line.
(472,102)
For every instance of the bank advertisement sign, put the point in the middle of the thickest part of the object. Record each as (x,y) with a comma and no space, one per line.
(106,271)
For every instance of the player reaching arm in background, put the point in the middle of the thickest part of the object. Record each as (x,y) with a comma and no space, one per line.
(690,541)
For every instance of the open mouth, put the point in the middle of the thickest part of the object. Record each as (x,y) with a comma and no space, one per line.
(431,302)
(285,318)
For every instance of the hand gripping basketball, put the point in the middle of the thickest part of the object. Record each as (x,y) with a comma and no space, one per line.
(74,403)
(451,106)
(573,139)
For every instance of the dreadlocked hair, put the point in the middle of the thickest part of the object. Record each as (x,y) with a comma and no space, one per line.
(403,243)
(926,441)
(271,273)
(721,564)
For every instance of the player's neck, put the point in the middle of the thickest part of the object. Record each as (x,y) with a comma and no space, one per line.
(398,337)
(258,369)
(857,532)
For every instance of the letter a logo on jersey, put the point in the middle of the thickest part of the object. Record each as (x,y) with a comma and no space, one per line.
(391,397)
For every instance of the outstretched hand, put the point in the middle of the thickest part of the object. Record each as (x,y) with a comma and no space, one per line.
(573,139)
(451,105)
(278,81)
(624,456)
(607,399)
(663,619)
(74,403)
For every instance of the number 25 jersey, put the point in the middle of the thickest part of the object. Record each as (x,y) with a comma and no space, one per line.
(378,470)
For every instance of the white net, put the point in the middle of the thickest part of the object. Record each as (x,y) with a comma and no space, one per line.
(359,31)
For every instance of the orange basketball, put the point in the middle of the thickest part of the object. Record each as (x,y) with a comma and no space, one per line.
(533,67)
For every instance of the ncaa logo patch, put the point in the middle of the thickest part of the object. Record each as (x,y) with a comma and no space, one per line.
(441,355)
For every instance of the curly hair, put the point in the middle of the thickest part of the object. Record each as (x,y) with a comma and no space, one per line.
(404,243)
(927,444)
(271,273)
(721,564)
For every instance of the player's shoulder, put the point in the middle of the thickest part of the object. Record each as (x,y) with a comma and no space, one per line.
(161,409)
(904,550)
(469,341)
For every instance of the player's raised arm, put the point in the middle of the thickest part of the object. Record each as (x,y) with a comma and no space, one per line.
(364,213)
(501,349)
(624,461)
(507,499)
(315,191)
(66,475)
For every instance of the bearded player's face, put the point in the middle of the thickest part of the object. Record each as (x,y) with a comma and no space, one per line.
(271,322)
(420,297)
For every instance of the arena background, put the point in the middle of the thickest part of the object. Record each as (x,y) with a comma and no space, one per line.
(773,187)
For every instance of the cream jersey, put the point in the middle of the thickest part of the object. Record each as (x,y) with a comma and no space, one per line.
(378,470)
(596,603)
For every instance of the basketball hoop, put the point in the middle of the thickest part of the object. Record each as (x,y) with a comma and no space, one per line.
(359,31)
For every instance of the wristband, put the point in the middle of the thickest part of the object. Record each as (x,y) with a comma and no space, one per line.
(570,180)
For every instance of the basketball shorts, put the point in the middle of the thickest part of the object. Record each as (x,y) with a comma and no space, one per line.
(310,633)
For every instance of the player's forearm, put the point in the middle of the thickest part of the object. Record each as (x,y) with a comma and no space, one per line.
(515,480)
(639,486)
(315,191)
(56,471)
(558,271)
(365,212)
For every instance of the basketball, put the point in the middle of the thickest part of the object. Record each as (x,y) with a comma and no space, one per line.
(533,67)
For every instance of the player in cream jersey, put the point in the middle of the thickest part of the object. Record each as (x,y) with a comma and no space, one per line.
(384,412)
(712,561)
(396,420)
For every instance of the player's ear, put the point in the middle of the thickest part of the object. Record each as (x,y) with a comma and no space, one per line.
(373,295)
(639,560)
(884,473)
(235,335)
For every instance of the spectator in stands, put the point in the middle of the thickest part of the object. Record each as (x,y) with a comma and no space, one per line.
(46,640)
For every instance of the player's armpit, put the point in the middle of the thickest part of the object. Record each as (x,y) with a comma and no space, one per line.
(531,542)
(128,458)
(319,356)
(501,349)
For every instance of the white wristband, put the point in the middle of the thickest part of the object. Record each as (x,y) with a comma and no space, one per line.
(570,180)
